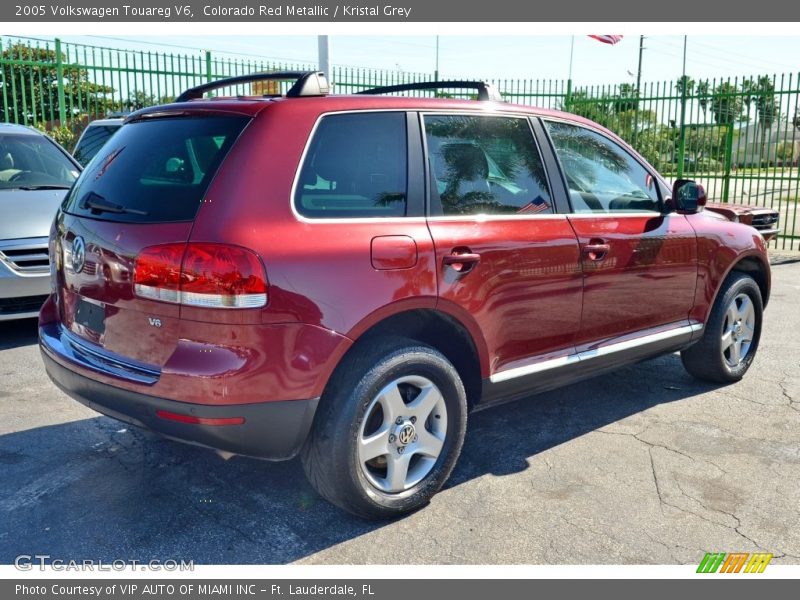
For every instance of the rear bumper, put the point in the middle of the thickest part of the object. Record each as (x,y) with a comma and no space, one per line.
(268,430)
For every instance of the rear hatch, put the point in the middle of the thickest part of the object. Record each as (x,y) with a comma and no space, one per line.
(129,217)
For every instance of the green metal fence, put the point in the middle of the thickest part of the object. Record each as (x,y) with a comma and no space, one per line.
(740,137)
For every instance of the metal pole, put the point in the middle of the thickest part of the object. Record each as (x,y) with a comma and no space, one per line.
(684,55)
(639,70)
(436,71)
(682,139)
(323,49)
(62,102)
(571,51)
(635,132)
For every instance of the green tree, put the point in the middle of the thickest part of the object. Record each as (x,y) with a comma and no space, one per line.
(761,92)
(29,86)
(726,104)
(703,94)
(598,109)
(619,112)
(684,84)
(627,98)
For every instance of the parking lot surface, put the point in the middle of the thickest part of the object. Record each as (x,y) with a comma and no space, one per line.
(645,465)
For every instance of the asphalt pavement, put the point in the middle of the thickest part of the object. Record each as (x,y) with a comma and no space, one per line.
(645,465)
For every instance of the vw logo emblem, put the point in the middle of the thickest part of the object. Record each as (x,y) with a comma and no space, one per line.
(78,254)
(406,434)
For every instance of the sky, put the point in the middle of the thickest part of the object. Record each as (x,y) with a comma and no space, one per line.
(500,57)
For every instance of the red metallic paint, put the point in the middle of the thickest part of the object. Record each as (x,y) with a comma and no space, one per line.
(722,245)
(532,294)
(390,252)
(525,293)
(646,278)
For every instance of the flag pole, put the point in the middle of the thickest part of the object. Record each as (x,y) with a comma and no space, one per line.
(571,51)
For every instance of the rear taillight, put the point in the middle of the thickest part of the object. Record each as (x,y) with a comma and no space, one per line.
(200,274)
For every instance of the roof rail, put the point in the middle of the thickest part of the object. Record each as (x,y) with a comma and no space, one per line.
(306,83)
(486,91)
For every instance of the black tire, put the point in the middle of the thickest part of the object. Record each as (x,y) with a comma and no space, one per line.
(330,454)
(706,359)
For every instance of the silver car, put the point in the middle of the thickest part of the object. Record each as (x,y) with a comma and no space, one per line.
(35,174)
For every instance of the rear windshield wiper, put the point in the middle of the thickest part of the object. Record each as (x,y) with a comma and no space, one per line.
(97,204)
(44,187)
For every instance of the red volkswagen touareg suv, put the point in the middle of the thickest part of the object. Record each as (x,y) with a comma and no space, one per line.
(347,276)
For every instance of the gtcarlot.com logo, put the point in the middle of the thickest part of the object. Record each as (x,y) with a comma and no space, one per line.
(734,562)
(28,562)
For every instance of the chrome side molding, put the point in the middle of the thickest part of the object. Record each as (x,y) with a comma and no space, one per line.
(563,361)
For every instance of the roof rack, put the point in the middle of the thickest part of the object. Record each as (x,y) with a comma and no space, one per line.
(306,83)
(486,91)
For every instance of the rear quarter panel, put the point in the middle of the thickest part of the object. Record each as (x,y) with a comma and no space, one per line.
(320,271)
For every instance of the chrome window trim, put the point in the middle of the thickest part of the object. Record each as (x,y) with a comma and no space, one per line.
(490,110)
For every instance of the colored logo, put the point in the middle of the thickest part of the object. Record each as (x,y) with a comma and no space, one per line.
(735,562)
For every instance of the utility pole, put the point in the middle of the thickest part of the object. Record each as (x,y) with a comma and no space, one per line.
(436,71)
(682,133)
(639,70)
(324,54)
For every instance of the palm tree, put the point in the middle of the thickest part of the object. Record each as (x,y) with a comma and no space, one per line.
(762,93)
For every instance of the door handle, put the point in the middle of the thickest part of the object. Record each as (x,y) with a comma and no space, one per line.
(461,262)
(596,250)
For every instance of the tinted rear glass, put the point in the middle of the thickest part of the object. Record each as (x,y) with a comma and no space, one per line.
(154,170)
(92,140)
(355,167)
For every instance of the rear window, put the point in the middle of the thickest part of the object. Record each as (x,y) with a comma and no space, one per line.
(92,140)
(154,171)
(355,167)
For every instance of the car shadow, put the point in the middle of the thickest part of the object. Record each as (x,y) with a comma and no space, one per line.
(14,334)
(98,489)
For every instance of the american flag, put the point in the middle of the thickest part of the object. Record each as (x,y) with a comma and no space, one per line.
(607,39)
(537,205)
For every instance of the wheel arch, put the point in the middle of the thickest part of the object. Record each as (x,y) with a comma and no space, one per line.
(755,266)
(753,263)
(433,327)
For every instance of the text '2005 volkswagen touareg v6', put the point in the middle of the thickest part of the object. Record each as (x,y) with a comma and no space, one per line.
(346,277)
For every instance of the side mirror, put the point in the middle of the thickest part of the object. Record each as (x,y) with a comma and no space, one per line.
(688,196)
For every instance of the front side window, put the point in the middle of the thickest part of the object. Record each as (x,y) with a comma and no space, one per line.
(601,176)
(485,165)
(355,167)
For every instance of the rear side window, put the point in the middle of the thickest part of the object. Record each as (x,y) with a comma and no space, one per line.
(355,167)
(154,171)
(92,140)
(485,165)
